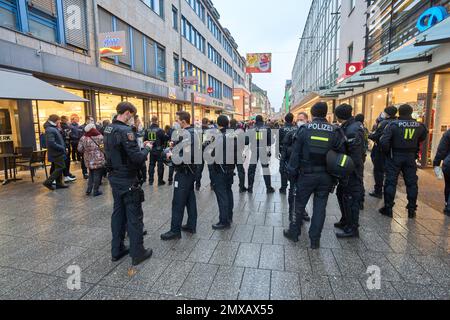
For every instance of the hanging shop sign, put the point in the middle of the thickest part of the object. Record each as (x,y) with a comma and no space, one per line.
(259,63)
(112,44)
(352,68)
(431,17)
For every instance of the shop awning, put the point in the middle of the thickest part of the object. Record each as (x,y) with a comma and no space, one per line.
(350,86)
(23,86)
(377,69)
(409,54)
(362,79)
(438,34)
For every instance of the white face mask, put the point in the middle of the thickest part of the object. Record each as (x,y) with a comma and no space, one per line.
(300,123)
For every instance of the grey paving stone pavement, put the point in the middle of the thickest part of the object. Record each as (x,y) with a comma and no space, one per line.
(44,233)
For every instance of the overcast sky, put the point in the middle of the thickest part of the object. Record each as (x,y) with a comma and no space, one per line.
(267,26)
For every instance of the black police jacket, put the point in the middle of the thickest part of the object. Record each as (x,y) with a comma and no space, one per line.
(287,144)
(186,147)
(263,131)
(311,146)
(225,141)
(443,152)
(376,135)
(124,158)
(403,136)
(287,129)
(354,145)
(157,135)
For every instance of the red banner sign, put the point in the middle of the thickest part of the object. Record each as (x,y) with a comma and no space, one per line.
(352,68)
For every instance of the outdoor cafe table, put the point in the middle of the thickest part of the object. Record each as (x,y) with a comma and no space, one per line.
(6,162)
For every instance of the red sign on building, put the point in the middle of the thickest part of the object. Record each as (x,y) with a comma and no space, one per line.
(354,67)
(210,90)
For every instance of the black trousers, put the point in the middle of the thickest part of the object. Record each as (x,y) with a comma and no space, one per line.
(155,159)
(76,156)
(406,164)
(171,173)
(319,185)
(199,174)
(379,168)
(284,174)
(252,173)
(58,165)
(349,198)
(241,175)
(95,179)
(446,171)
(223,183)
(184,198)
(127,216)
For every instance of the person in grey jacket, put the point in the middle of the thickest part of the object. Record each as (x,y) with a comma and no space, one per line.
(56,152)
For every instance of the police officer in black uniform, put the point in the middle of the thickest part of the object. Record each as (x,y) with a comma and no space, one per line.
(349,188)
(378,156)
(288,128)
(286,145)
(124,160)
(401,142)
(222,172)
(262,132)
(309,162)
(158,137)
(184,194)
(443,157)
(240,134)
(201,167)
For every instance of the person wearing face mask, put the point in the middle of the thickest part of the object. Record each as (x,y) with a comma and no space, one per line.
(377,155)
(124,159)
(302,118)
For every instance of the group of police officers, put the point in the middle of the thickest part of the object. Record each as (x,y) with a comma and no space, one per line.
(315,158)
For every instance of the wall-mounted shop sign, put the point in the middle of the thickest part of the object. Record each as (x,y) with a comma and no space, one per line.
(6,138)
(431,17)
(354,67)
(112,44)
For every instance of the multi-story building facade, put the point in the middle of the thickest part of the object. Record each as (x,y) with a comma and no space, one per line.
(260,102)
(165,41)
(404,46)
(241,104)
(286,108)
(317,61)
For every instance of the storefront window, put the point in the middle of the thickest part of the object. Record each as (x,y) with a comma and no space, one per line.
(43,109)
(375,105)
(9,126)
(106,106)
(413,93)
(441,110)
(139,104)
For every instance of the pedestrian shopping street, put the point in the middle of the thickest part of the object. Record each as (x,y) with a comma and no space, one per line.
(43,233)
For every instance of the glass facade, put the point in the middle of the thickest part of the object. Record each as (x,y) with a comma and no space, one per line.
(392,24)
(9,127)
(316,65)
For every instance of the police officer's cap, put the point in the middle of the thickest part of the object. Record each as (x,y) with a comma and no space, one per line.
(319,110)
(391,111)
(405,110)
(344,111)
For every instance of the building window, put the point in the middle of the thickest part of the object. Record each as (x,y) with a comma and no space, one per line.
(214,56)
(122,26)
(138,50)
(176,68)
(75,23)
(156,5)
(198,7)
(42,19)
(350,53)
(216,85)
(227,92)
(188,69)
(192,35)
(8,14)
(175,18)
(161,62)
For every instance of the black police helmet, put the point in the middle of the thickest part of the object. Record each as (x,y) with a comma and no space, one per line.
(344,111)
(405,110)
(339,165)
(391,111)
(319,110)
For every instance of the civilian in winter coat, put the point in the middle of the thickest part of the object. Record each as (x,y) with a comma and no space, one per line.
(90,146)
(56,152)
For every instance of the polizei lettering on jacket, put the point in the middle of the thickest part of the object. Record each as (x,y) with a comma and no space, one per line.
(320,126)
(409,124)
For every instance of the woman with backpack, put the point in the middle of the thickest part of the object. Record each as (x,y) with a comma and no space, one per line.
(91,145)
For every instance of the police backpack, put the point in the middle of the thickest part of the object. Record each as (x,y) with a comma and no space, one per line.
(339,165)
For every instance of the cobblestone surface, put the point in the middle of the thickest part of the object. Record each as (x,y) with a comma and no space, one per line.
(42,233)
